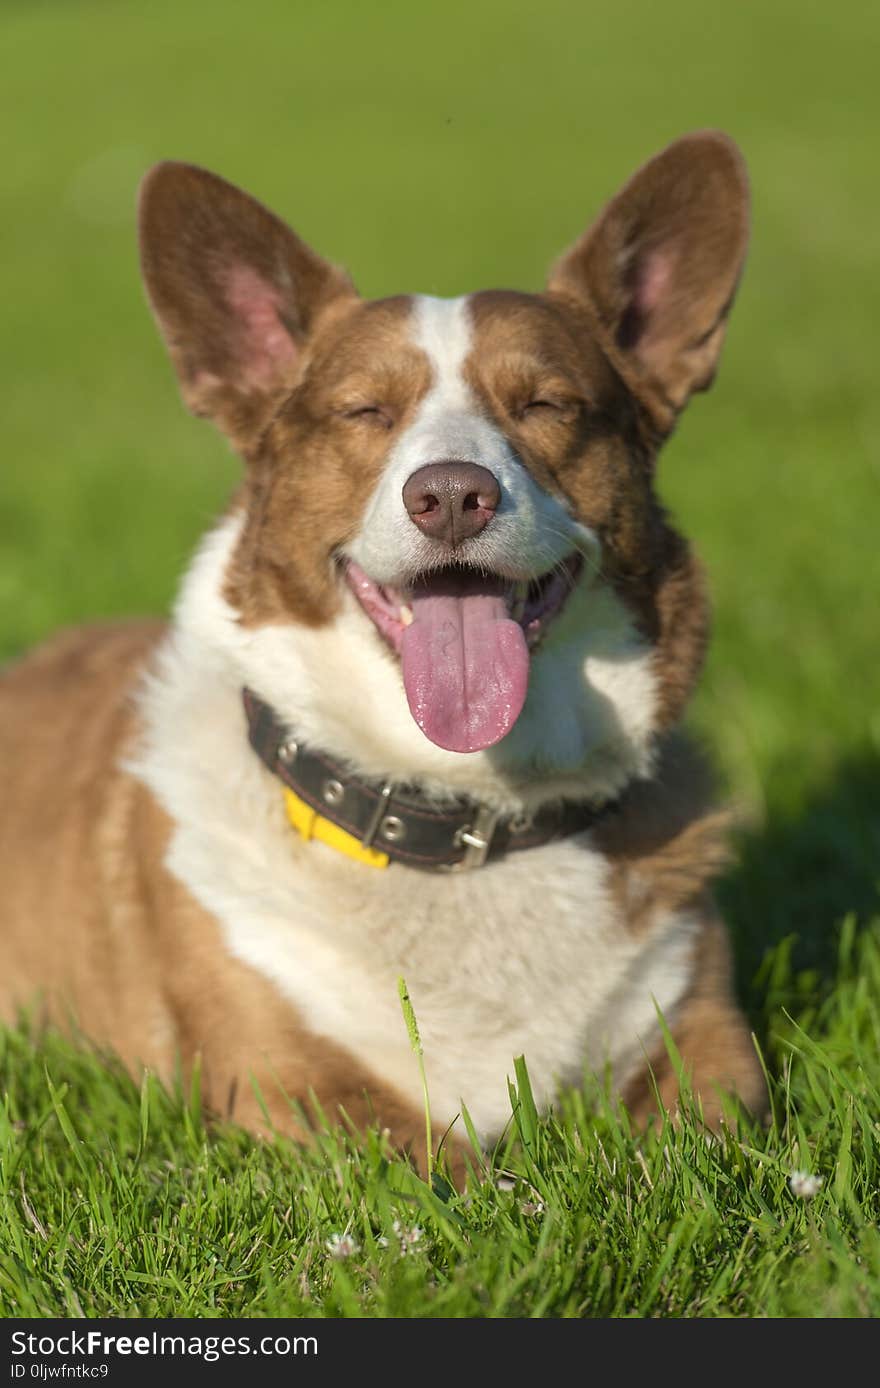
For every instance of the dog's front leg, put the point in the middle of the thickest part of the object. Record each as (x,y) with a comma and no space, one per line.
(718,1057)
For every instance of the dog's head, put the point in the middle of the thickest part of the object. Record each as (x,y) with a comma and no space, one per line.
(449,505)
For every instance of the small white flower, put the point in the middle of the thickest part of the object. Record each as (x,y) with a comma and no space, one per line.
(409,1238)
(804,1185)
(342,1246)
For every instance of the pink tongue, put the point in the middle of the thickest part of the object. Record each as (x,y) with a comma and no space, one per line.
(465,669)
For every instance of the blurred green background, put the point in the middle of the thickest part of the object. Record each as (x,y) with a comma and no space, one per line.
(445,148)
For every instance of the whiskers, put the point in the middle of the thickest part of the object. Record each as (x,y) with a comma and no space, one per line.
(585,544)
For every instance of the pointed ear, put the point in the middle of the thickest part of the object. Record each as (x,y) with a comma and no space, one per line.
(234,291)
(660,267)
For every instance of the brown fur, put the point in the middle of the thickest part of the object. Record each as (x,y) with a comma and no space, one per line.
(120,949)
(196,230)
(659,269)
(717,1055)
(666,843)
(359,356)
(585,446)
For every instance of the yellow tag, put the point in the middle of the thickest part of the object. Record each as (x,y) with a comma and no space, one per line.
(310,825)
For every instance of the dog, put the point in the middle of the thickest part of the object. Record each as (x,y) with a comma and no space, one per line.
(416,714)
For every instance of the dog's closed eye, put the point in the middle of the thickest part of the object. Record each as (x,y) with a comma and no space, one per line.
(369,414)
(545,405)
(548,408)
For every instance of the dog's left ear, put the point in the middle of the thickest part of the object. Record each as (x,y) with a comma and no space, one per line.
(235,291)
(660,267)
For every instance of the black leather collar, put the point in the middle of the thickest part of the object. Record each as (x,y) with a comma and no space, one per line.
(398,819)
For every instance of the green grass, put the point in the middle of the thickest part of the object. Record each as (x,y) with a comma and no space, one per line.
(118,1203)
(444,148)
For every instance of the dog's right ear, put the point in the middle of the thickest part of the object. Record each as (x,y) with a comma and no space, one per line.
(235,293)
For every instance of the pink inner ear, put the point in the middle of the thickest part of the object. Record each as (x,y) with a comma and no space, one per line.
(650,276)
(264,347)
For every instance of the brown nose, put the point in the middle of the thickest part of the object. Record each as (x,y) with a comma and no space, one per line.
(450,502)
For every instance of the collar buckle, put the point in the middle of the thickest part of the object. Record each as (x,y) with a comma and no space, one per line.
(411,829)
(378,815)
(477,838)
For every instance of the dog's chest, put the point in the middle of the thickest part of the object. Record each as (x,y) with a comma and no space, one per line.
(523,957)
(527,956)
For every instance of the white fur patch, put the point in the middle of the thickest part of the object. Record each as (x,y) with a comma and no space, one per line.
(525,956)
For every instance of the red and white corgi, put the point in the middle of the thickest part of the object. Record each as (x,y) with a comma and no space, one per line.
(415,713)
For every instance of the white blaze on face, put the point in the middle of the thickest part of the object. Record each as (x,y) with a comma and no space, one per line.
(531,531)
(464,658)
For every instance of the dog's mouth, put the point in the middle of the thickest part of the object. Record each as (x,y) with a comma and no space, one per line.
(465,639)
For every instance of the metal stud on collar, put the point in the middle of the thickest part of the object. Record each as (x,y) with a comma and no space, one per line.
(287,751)
(392,829)
(333,792)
